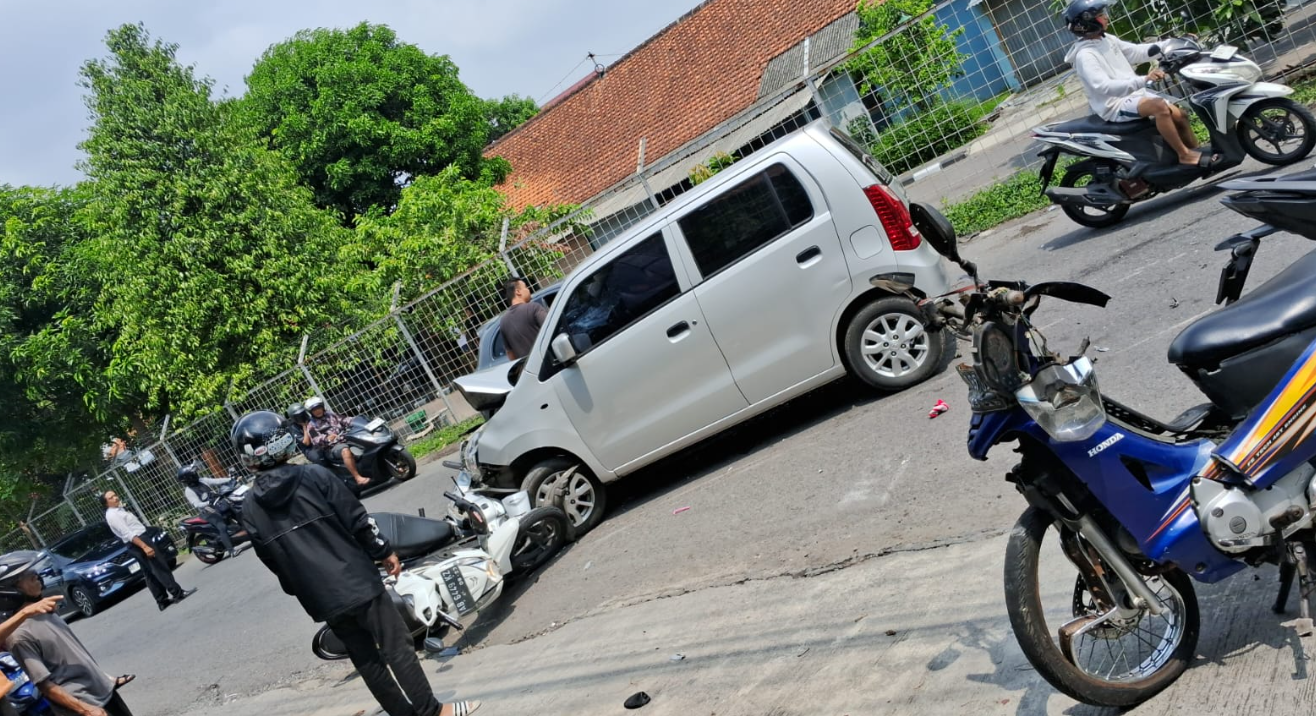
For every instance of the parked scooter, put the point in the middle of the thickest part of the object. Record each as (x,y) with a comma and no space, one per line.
(484,542)
(23,699)
(1127,162)
(203,539)
(1134,505)
(379,456)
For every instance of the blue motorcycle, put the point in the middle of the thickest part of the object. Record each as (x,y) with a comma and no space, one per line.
(23,698)
(1141,508)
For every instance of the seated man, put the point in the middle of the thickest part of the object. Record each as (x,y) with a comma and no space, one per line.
(1104,64)
(198,493)
(325,430)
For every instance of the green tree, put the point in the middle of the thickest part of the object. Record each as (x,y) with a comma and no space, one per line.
(507,114)
(207,258)
(909,68)
(361,114)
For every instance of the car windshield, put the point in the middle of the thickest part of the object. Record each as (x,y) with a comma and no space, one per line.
(85,542)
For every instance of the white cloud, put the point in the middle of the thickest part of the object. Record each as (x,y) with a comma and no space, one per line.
(521,46)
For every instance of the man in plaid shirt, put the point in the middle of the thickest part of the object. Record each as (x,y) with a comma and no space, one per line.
(325,430)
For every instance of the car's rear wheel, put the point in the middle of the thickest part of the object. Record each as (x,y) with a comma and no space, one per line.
(83,600)
(891,344)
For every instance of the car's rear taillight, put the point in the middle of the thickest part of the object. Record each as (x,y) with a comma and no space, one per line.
(894,217)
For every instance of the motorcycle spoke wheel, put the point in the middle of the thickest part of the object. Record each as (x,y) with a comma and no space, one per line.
(1121,651)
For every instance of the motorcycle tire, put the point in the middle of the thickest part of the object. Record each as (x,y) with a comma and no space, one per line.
(213,552)
(1295,113)
(542,534)
(401,465)
(1023,602)
(326,645)
(1104,215)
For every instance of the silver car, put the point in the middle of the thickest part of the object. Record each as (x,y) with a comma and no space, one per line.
(796,265)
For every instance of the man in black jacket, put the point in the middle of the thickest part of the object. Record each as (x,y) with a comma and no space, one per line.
(318,540)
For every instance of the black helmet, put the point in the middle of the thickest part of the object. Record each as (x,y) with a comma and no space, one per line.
(12,567)
(261,440)
(189,474)
(1081,15)
(299,414)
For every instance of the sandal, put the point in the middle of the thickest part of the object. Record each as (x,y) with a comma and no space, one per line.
(124,681)
(1209,161)
(463,708)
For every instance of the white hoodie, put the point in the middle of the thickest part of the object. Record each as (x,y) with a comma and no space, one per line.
(1105,67)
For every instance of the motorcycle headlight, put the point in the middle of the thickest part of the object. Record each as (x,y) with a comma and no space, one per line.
(1065,401)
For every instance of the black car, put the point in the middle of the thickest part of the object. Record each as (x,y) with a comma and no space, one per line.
(91,567)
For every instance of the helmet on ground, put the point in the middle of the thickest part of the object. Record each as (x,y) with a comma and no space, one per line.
(189,474)
(12,568)
(1081,15)
(261,440)
(299,414)
(313,403)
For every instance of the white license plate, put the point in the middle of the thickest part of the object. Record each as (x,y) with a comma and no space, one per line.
(1224,52)
(134,568)
(375,424)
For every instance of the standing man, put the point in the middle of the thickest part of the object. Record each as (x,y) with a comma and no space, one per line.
(316,537)
(51,654)
(129,530)
(325,430)
(521,323)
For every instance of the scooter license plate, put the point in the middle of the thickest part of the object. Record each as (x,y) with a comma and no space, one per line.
(134,568)
(461,594)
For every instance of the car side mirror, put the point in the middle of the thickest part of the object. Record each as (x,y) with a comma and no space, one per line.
(563,350)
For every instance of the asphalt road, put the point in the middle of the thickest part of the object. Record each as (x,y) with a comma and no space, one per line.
(819,483)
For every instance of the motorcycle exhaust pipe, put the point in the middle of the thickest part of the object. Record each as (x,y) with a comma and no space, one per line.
(1091,195)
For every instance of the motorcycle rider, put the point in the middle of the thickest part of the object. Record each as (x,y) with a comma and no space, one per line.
(298,417)
(198,493)
(325,430)
(1104,64)
(316,537)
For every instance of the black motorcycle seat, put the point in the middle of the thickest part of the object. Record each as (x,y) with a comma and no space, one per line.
(1092,124)
(1284,305)
(412,536)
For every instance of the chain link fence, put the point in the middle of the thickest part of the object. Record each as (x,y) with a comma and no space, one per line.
(945,99)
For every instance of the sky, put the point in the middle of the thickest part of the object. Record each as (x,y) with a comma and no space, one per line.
(533,48)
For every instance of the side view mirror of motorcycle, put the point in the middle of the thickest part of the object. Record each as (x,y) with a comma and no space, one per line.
(937,230)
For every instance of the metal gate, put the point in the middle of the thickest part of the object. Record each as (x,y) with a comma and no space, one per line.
(1033,35)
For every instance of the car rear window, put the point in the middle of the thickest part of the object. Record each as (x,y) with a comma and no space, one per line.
(862,155)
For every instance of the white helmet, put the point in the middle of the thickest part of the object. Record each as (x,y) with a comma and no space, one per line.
(313,403)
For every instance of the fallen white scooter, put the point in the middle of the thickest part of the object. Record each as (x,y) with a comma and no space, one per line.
(484,541)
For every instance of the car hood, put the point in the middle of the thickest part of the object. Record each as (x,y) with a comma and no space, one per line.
(487,389)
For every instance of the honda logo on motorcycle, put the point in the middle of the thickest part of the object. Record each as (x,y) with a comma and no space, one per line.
(1105,444)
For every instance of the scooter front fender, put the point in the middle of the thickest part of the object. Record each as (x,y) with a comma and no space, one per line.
(501,541)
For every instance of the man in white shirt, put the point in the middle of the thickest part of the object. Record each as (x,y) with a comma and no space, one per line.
(1104,64)
(129,530)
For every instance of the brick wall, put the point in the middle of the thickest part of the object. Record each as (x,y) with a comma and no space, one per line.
(682,82)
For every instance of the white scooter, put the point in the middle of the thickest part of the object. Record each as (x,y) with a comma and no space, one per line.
(484,541)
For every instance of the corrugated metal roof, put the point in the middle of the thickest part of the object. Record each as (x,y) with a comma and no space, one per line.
(825,45)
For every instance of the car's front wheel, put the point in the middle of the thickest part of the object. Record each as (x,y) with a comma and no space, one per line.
(891,344)
(83,600)
(582,496)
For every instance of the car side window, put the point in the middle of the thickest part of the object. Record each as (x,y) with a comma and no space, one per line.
(748,216)
(622,291)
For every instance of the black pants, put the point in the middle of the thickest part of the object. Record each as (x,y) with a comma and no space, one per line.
(158,577)
(377,640)
(216,520)
(116,707)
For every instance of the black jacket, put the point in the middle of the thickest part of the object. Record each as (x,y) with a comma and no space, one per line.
(316,537)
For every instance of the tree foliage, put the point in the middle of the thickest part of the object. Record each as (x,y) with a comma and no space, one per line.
(508,113)
(360,114)
(911,67)
(208,258)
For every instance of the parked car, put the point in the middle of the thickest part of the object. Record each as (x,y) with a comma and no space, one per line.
(787,270)
(92,568)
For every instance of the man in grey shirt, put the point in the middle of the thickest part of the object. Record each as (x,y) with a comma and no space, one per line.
(51,653)
(521,323)
(129,530)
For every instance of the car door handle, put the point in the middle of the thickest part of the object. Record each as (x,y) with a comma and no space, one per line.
(679,330)
(808,257)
